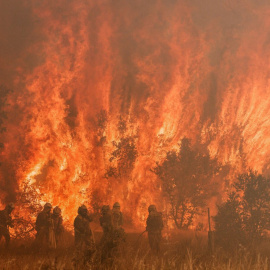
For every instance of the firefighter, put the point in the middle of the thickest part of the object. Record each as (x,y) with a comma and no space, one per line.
(117,222)
(6,222)
(106,221)
(154,226)
(45,237)
(84,238)
(57,224)
(117,216)
(106,242)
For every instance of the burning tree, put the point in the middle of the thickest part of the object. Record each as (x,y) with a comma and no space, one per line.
(28,200)
(125,152)
(186,177)
(101,125)
(245,216)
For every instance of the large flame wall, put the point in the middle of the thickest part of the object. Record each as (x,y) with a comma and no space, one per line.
(170,69)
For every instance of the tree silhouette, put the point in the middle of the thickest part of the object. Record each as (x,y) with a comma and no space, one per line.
(245,216)
(124,153)
(228,223)
(101,122)
(186,180)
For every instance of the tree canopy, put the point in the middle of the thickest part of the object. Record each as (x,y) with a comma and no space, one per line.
(186,177)
(245,216)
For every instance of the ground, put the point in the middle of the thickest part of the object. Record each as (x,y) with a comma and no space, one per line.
(183,250)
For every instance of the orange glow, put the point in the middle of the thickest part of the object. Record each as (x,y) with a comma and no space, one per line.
(165,68)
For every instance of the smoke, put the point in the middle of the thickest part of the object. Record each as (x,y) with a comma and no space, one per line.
(18,31)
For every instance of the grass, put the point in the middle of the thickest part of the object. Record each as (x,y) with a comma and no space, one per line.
(183,251)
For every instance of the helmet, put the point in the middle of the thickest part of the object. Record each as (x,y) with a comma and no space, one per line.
(117,204)
(105,208)
(151,208)
(47,205)
(82,210)
(57,210)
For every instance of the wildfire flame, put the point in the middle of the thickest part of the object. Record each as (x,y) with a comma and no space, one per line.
(87,74)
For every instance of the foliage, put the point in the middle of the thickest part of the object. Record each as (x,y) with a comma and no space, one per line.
(101,122)
(255,207)
(228,223)
(245,216)
(125,152)
(28,201)
(186,180)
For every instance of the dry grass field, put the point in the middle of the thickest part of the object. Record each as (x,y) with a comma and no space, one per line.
(183,251)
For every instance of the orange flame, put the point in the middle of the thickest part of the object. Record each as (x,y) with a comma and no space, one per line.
(169,70)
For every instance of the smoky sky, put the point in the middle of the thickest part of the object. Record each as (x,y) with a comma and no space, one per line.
(224,24)
(18,33)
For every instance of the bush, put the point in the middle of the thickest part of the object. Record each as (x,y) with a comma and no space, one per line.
(186,176)
(245,216)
